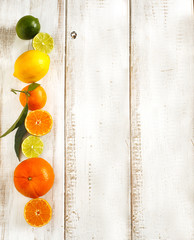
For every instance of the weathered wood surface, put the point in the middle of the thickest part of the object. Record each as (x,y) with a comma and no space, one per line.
(51,16)
(97,123)
(97,128)
(162,50)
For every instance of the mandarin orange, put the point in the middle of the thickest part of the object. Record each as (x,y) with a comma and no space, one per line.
(38,122)
(36,100)
(37,212)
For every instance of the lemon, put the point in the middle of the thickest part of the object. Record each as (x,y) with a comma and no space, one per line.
(31,66)
(43,42)
(32,147)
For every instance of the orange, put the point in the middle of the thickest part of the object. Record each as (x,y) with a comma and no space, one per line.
(38,122)
(36,100)
(37,212)
(34,177)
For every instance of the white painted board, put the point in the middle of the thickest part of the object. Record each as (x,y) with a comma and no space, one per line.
(51,16)
(97,121)
(162,58)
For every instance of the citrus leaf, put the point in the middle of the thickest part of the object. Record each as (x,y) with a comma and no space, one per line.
(33,86)
(21,131)
(18,122)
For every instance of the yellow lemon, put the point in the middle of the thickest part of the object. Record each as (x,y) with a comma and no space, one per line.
(31,66)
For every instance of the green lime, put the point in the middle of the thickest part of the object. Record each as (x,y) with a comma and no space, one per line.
(27,27)
(43,42)
(32,146)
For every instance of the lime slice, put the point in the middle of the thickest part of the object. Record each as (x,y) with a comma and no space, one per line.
(43,42)
(32,147)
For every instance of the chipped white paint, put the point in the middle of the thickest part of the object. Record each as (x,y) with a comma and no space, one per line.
(162,50)
(97,135)
(51,16)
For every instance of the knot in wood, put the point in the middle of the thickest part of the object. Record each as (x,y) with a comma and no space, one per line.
(73,35)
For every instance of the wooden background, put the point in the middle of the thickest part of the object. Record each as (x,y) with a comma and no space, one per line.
(121,95)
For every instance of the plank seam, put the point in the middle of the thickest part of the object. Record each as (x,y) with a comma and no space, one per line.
(130,112)
(65,197)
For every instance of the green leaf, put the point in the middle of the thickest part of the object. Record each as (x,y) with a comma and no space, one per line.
(21,131)
(33,86)
(18,122)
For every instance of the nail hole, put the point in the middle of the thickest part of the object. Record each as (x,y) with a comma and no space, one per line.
(73,35)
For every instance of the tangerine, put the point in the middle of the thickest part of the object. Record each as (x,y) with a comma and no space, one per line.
(38,122)
(37,212)
(34,177)
(36,100)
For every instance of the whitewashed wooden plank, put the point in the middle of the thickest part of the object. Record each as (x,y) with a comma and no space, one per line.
(51,16)
(97,109)
(162,50)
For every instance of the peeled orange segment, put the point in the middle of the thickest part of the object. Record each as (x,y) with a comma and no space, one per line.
(38,122)
(37,212)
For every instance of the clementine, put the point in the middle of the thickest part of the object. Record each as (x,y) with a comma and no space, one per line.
(36,100)
(38,122)
(37,212)
(34,177)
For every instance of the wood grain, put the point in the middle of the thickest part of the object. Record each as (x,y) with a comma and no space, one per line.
(97,123)
(51,16)
(162,119)
(97,108)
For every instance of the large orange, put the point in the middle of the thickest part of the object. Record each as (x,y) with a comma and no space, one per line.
(36,100)
(33,177)
(37,212)
(38,122)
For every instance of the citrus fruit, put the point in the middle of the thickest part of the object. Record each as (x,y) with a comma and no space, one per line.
(27,27)
(32,146)
(37,212)
(31,66)
(33,177)
(36,100)
(38,122)
(43,42)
